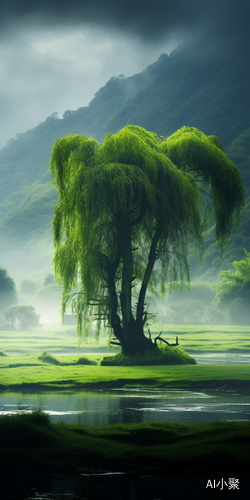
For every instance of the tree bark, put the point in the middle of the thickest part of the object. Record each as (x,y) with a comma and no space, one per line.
(129,331)
(146,278)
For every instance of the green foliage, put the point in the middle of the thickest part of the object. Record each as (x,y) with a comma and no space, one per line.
(2,353)
(28,213)
(22,317)
(202,156)
(194,308)
(47,358)
(8,294)
(85,361)
(193,312)
(131,201)
(234,291)
(26,429)
(239,152)
(31,443)
(162,356)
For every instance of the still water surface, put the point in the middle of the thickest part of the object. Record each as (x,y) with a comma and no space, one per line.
(96,408)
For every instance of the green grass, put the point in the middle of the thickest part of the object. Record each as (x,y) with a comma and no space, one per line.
(62,339)
(47,358)
(55,339)
(31,442)
(34,377)
(22,369)
(209,338)
(163,356)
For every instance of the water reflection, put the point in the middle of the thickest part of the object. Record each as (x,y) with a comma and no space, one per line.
(220,358)
(81,486)
(97,408)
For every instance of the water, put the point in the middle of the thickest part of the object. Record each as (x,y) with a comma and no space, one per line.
(222,358)
(105,486)
(97,408)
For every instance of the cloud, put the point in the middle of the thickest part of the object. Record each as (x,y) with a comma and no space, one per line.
(55,55)
(49,69)
(220,19)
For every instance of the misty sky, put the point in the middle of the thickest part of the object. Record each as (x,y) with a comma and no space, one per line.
(54,55)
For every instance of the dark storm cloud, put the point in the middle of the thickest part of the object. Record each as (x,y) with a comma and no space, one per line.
(215,20)
(54,55)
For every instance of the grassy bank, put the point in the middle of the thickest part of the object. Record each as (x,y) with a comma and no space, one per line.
(31,442)
(28,373)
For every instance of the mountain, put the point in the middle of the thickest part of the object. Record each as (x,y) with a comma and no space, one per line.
(184,88)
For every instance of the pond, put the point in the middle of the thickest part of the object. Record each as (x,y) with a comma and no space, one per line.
(96,408)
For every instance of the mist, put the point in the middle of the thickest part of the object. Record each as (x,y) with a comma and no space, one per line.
(55,56)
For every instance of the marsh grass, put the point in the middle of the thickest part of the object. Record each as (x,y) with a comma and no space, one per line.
(26,429)
(29,440)
(2,353)
(162,356)
(47,358)
(86,361)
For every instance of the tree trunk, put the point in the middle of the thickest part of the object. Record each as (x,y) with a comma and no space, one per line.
(127,329)
(133,340)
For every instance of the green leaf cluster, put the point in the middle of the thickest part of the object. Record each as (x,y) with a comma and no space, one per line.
(235,284)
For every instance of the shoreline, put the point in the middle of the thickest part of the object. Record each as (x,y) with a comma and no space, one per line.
(204,386)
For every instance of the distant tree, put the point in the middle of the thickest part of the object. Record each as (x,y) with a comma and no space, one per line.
(8,293)
(131,202)
(22,317)
(52,117)
(193,312)
(234,291)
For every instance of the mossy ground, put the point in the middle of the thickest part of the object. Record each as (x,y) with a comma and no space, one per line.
(161,356)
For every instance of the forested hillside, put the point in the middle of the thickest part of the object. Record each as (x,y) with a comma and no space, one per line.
(181,89)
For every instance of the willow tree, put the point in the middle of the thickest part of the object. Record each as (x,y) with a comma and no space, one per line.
(127,204)
(233,291)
